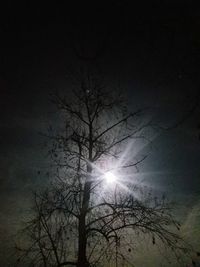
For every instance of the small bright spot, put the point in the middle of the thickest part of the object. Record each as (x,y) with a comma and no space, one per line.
(110,177)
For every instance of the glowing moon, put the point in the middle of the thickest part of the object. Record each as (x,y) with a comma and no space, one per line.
(110,177)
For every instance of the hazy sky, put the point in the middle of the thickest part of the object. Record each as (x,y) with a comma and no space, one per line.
(152,50)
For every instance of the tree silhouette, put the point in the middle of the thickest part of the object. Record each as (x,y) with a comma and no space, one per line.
(83,219)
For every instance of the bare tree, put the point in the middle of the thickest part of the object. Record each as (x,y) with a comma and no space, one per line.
(94,211)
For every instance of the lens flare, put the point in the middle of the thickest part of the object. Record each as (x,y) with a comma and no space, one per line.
(110,178)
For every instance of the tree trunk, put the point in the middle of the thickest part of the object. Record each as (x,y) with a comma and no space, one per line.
(82,239)
(82,243)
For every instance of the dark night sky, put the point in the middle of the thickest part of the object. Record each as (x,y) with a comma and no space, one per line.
(152,49)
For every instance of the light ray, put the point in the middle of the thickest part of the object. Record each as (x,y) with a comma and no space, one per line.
(113,175)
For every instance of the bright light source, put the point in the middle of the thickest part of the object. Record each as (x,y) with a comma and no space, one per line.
(110,177)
